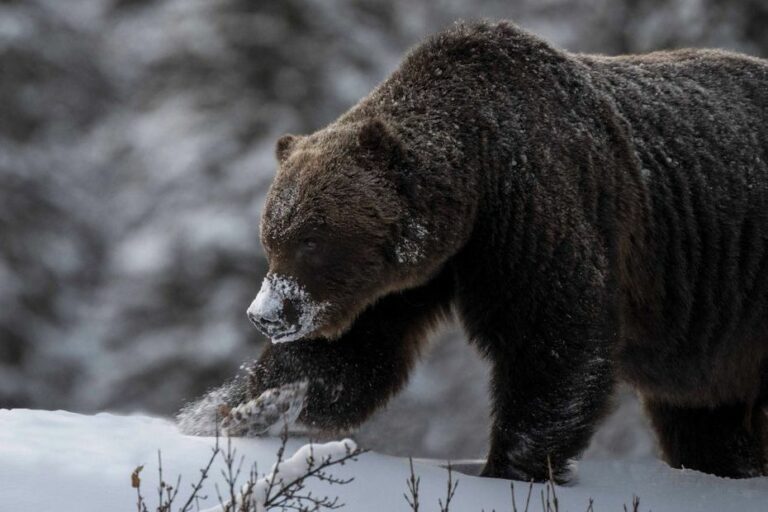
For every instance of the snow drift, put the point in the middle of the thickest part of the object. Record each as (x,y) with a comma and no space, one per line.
(60,461)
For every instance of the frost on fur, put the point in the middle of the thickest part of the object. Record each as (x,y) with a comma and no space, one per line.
(275,291)
(226,410)
(411,248)
(202,418)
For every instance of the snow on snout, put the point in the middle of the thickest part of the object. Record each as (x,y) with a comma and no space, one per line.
(269,304)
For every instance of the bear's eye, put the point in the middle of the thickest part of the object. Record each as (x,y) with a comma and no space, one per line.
(312,251)
(310,244)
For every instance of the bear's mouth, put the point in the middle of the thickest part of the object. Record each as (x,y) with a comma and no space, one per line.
(284,337)
(279,332)
(275,331)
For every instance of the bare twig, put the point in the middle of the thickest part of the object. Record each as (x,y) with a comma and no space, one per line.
(635,505)
(141,506)
(412,498)
(203,477)
(452,485)
(288,495)
(231,475)
(551,484)
(274,493)
(527,498)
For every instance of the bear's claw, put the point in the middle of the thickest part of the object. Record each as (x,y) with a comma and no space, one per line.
(263,414)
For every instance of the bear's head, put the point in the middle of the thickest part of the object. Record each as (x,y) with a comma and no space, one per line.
(338,229)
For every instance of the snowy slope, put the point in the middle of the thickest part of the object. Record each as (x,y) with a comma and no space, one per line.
(60,461)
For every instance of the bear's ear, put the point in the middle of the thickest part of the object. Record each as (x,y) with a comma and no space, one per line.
(379,140)
(284,146)
(376,137)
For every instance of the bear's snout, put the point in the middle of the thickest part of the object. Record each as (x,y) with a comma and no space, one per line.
(283,310)
(267,311)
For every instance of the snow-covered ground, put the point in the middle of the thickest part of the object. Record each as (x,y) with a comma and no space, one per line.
(60,462)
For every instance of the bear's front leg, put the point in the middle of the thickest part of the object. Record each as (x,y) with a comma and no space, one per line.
(545,407)
(552,375)
(337,384)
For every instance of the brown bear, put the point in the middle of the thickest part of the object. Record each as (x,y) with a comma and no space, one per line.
(588,219)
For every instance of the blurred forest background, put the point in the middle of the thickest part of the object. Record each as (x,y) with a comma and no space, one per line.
(136,146)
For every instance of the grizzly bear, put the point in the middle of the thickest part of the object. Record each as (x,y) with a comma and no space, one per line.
(588,219)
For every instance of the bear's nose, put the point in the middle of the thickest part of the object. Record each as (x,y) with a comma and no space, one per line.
(268,311)
(267,323)
(264,317)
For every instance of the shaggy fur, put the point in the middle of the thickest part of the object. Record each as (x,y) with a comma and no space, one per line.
(588,218)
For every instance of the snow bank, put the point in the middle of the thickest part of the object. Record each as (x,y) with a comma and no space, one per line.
(308,458)
(59,461)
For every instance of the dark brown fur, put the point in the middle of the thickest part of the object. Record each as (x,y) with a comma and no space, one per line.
(589,218)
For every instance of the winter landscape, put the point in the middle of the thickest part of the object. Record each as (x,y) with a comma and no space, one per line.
(136,148)
(64,461)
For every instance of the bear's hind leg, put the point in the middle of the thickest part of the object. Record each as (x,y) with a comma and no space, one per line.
(724,441)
